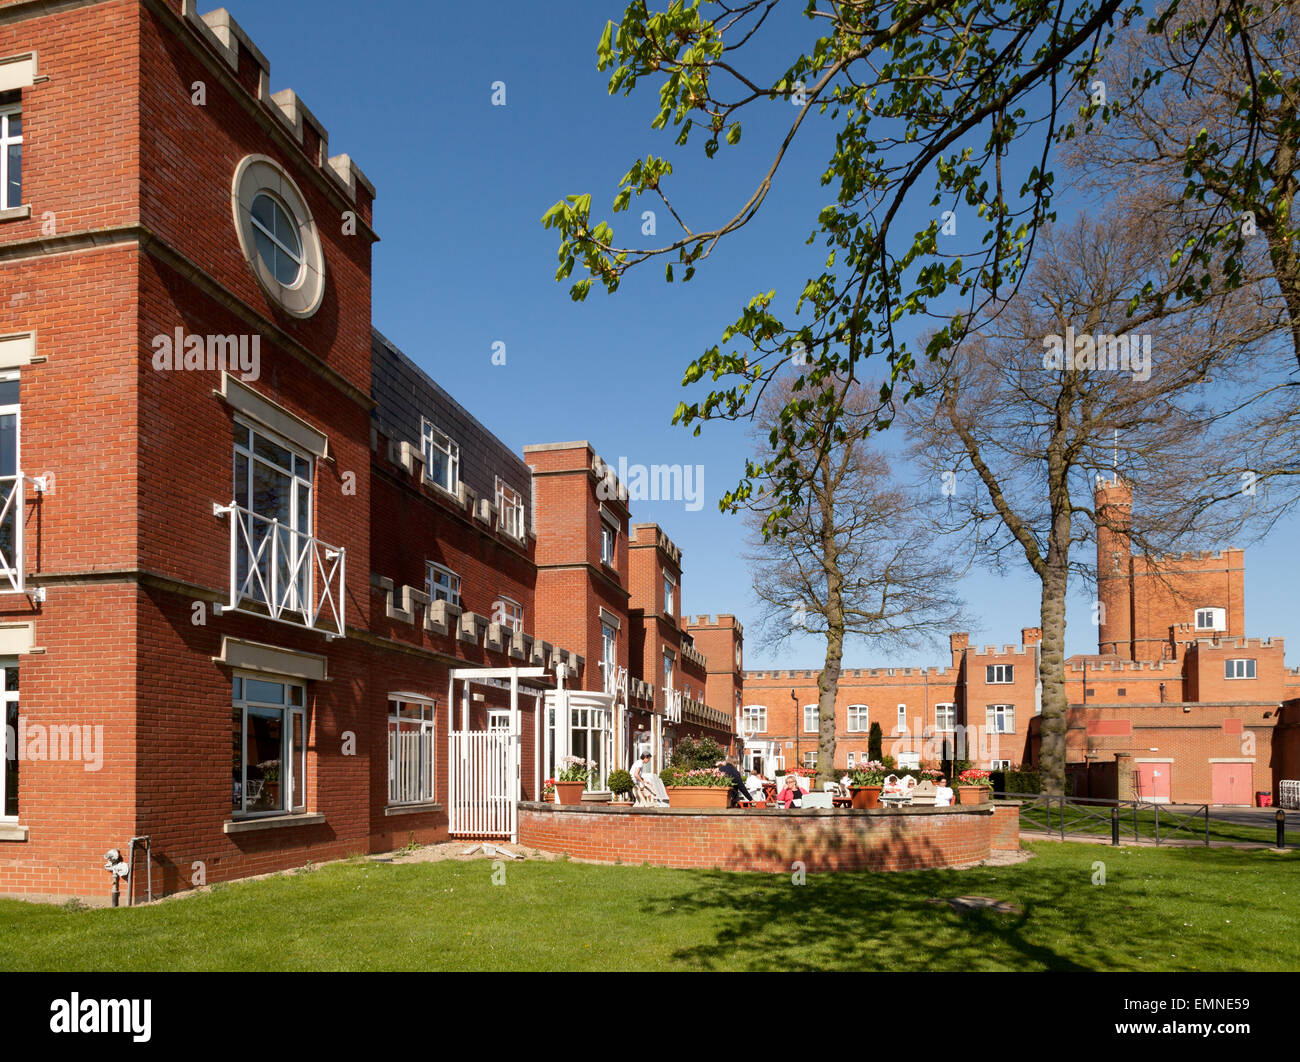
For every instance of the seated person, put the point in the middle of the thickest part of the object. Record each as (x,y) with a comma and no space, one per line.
(791,795)
(646,787)
(943,794)
(738,789)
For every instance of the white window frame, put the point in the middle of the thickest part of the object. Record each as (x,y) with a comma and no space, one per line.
(297,257)
(852,759)
(1218,618)
(1244,666)
(999,674)
(608,544)
(815,720)
(430,436)
(670,586)
(862,713)
(12,569)
(945,711)
(300,525)
(292,769)
(450,593)
(754,718)
(608,647)
(1000,765)
(9,732)
(425,771)
(510,510)
(998,716)
(512,613)
(7,139)
(810,760)
(901,726)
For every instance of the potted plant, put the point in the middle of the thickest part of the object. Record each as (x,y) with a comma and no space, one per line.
(697,787)
(620,784)
(548,791)
(271,783)
(866,783)
(575,775)
(973,786)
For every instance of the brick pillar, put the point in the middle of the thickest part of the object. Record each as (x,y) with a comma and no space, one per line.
(1124,776)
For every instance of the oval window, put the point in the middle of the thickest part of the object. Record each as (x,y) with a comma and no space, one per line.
(277,235)
(277,239)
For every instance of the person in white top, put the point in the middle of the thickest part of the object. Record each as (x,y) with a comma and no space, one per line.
(943,794)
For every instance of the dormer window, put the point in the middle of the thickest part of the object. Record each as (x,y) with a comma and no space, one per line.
(510,510)
(441,458)
(1211,619)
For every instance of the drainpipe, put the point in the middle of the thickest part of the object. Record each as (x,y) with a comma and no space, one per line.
(798,760)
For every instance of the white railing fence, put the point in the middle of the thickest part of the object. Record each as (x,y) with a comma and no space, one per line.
(1288,794)
(289,572)
(13,514)
(481,797)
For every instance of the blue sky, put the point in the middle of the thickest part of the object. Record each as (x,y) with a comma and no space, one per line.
(405,89)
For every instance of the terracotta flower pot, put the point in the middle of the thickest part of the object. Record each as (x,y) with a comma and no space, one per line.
(569,792)
(973,794)
(866,796)
(698,796)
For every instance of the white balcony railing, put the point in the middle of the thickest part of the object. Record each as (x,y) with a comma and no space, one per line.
(13,518)
(294,576)
(672,705)
(615,681)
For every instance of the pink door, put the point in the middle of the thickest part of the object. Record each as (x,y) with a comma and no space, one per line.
(1231,783)
(1151,782)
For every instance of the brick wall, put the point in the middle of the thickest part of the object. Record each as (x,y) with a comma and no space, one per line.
(765,841)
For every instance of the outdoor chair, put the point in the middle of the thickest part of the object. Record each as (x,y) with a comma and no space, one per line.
(817,800)
(923,794)
(833,788)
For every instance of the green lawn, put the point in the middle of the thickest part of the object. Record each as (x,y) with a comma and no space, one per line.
(1159,909)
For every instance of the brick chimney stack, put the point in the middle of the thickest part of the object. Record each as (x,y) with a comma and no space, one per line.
(958,643)
(1031,635)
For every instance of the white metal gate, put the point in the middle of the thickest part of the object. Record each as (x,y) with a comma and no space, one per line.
(483,783)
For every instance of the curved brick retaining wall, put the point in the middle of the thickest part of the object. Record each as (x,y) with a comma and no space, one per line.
(771,840)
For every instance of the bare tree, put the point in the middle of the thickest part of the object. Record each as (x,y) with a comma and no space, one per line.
(1223,169)
(852,560)
(1065,385)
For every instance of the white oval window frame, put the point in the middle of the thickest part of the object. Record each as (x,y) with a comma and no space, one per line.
(256,174)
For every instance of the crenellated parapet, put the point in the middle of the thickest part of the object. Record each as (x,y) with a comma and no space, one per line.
(229,40)
(1119,667)
(411,605)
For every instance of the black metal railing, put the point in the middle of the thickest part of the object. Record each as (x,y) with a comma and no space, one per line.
(1068,816)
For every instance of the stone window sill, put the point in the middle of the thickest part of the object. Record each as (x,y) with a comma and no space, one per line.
(18,213)
(272,822)
(11,831)
(412,809)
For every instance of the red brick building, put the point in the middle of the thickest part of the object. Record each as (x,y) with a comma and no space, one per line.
(1198,711)
(270,595)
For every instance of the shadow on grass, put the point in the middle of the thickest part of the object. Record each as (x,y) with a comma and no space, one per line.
(879,920)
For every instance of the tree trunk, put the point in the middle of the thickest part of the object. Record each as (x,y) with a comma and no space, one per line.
(1051,673)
